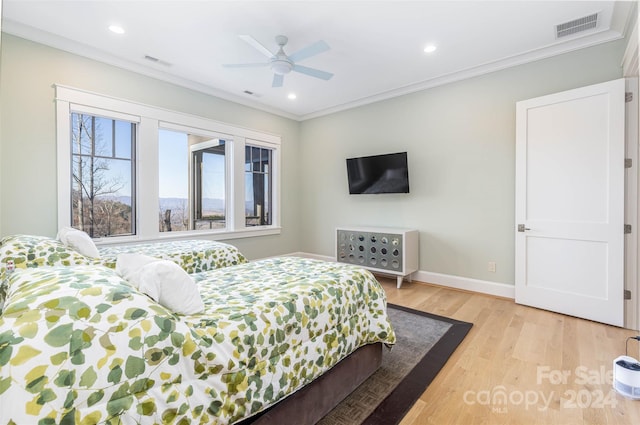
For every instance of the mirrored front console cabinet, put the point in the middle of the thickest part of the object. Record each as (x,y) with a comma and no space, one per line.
(379,249)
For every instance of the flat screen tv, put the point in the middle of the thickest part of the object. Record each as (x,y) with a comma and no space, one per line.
(386,173)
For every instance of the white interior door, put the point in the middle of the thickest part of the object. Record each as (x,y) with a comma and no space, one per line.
(570,202)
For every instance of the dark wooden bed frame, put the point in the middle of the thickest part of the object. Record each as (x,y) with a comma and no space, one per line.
(309,404)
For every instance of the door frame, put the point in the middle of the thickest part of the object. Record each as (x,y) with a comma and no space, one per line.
(632,182)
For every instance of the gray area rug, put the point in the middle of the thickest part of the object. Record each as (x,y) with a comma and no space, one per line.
(424,343)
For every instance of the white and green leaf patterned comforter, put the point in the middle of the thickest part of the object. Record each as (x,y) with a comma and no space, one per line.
(80,345)
(192,255)
(28,251)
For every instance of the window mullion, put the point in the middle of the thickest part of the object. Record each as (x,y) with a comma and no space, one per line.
(238,189)
(64,162)
(148,178)
(113,139)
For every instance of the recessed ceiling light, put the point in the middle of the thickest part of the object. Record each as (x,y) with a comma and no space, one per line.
(116,29)
(430,48)
(292,96)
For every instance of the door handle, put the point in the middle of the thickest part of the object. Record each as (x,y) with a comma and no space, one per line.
(521,228)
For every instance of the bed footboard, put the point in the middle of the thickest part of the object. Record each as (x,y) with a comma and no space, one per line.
(308,405)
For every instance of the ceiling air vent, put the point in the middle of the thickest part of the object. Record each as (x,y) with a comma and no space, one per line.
(156,60)
(250,93)
(577,25)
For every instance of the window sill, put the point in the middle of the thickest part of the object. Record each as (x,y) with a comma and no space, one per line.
(220,235)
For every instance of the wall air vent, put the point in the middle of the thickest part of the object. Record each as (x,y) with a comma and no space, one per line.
(577,25)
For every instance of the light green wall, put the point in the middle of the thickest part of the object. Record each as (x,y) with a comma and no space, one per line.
(27,135)
(460,140)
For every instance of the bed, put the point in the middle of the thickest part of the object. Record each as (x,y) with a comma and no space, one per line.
(29,251)
(80,344)
(192,255)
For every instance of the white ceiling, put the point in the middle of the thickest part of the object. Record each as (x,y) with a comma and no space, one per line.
(376,46)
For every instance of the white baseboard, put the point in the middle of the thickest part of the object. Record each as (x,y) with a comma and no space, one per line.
(450,281)
(312,256)
(467,284)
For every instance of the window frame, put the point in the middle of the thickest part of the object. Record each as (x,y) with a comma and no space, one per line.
(196,160)
(149,119)
(256,144)
(132,160)
(190,180)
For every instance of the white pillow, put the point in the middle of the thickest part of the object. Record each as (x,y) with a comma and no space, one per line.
(63,232)
(168,284)
(79,241)
(128,266)
(163,280)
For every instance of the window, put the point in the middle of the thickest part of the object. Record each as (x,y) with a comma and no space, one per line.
(208,182)
(192,181)
(102,195)
(173,164)
(136,172)
(257,185)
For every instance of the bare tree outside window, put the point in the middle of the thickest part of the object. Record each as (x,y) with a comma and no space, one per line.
(103,175)
(173,215)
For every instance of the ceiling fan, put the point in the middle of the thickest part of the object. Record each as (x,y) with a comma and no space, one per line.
(281,64)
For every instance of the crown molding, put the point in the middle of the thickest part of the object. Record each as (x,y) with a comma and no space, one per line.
(80,49)
(622,21)
(487,68)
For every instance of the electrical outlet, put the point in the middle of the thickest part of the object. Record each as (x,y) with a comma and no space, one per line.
(492,266)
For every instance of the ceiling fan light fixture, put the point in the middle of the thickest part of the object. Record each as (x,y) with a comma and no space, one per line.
(281,66)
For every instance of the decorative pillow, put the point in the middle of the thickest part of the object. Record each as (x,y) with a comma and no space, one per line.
(31,251)
(62,234)
(168,284)
(128,266)
(78,240)
(28,251)
(163,280)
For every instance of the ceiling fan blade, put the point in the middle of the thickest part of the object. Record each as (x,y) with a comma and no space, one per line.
(277,80)
(256,45)
(307,52)
(245,65)
(313,72)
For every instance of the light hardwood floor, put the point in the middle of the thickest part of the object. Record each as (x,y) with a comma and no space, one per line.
(548,368)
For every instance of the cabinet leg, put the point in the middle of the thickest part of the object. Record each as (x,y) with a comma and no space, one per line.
(399,281)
